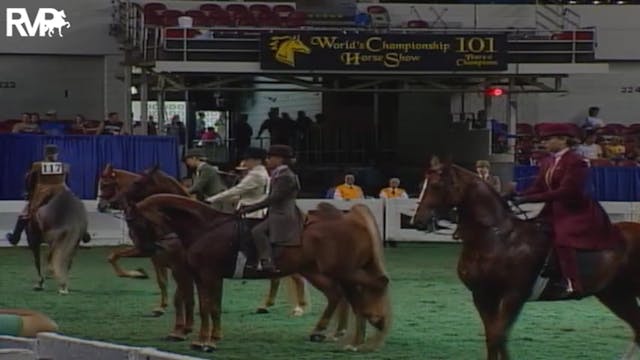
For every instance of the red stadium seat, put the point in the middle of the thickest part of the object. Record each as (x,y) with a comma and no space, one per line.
(377,9)
(417,24)
(628,163)
(235,9)
(268,20)
(283,11)
(601,163)
(171,17)
(210,8)
(222,18)
(296,19)
(199,18)
(154,7)
(246,20)
(569,35)
(257,9)
(612,129)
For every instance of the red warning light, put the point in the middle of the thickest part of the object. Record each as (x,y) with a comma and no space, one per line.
(494,91)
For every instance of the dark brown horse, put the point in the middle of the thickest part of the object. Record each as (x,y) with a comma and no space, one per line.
(503,256)
(339,255)
(118,188)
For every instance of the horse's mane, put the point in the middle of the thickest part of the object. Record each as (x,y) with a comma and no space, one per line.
(165,203)
(126,173)
(172,181)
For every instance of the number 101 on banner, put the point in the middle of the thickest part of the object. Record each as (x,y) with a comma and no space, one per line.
(476,45)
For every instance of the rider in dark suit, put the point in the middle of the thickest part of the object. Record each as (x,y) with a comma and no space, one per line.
(284,220)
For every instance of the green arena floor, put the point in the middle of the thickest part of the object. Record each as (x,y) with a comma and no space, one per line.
(434,314)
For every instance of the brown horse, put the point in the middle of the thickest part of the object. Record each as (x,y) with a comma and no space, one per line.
(505,262)
(111,186)
(119,188)
(339,255)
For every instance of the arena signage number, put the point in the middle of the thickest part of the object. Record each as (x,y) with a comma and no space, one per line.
(7,84)
(51,168)
(630,89)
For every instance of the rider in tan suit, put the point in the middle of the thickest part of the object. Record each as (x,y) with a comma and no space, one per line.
(44,180)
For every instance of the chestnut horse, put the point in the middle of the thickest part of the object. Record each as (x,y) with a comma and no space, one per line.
(339,255)
(111,186)
(117,188)
(505,260)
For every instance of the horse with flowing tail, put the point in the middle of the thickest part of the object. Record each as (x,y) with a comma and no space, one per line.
(118,188)
(62,224)
(339,255)
(506,261)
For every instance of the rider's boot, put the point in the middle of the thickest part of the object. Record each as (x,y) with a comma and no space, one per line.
(14,237)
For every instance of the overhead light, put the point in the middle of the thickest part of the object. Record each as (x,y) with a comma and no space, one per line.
(573,2)
(134,90)
(596,2)
(494,91)
(620,2)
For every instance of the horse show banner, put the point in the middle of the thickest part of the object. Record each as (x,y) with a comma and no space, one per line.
(292,50)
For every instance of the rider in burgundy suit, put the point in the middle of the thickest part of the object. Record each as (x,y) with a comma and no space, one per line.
(579,222)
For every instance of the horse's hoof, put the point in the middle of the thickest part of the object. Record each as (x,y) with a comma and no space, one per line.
(297,311)
(63,291)
(338,335)
(157,312)
(262,310)
(351,348)
(38,287)
(175,338)
(140,274)
(203,347)
(317,337)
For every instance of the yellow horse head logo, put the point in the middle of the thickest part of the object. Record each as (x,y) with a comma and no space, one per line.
(286,48)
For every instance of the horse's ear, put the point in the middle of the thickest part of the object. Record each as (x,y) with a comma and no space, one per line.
(154,169)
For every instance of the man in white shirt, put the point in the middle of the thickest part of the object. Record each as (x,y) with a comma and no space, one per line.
(252,188)
(589,149)
(593,121)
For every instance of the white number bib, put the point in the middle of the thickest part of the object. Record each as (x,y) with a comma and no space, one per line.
(52,168)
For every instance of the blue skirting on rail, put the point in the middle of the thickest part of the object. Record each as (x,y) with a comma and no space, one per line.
(87,156)
(606,183)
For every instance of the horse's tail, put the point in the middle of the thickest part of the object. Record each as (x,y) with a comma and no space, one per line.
(383,324)
(64,241)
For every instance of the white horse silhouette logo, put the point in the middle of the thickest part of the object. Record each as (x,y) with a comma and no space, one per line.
(58,22)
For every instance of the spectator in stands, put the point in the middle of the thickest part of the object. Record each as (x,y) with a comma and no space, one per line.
(589,149)
(303,127)
(280,130)
(51,115)
(112,126)
(615,149)
(394,191)
(349,190)
(200,124)
(28,125)
(243,133)
(593,121)
(78,126)
(483,169)
(176,128)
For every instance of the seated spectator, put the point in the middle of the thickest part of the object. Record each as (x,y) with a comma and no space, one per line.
(393,191)
(24,323)
(77,127)
(589,149)
(51,115)
(483,169)
(28,124)
(592,121)
(349,190)
(209,134)
(112,126)
(615,149)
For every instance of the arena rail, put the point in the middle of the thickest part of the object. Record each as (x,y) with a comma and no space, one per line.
(50,346)
(393,217)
